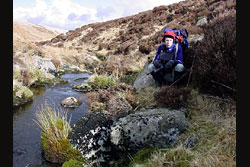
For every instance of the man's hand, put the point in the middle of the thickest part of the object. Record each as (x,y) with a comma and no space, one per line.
(157,63)
(169,65)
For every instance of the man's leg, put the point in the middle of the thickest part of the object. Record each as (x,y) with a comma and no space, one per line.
(178,71)
(179,68)
(158,76)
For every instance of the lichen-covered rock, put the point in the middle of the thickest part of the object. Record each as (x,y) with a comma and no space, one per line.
(148,129)
(90,136)
(71,102)
(101,138)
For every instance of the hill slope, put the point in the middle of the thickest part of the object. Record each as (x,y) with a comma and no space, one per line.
(127,33)
(137,36)
(32,32)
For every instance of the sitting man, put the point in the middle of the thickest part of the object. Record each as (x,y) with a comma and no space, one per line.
(167,64)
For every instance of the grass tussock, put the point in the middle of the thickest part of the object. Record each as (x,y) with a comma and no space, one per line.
(55,128)
(54,124)
(102,81)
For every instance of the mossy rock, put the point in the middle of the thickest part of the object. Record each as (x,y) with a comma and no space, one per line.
(82,87)
(21,95)
(40,77)
(23,92)
(18,101)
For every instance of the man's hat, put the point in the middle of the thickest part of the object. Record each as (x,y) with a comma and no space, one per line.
(170,34)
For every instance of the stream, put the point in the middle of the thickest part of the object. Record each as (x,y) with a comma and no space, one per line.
(26,133)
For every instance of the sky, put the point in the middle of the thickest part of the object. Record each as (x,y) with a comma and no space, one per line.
(72,14)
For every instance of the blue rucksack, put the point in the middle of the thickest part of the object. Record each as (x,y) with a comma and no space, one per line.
(181,36)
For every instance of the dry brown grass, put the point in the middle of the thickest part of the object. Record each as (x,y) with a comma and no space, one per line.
(31,33)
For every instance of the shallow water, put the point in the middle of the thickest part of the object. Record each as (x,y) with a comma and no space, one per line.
(26,133)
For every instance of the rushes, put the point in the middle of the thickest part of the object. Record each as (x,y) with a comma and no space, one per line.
(54,136)
(54,124)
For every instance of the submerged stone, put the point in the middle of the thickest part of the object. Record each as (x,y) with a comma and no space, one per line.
(71,102)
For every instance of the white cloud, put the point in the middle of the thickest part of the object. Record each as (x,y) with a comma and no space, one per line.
(55,14)
(67,14)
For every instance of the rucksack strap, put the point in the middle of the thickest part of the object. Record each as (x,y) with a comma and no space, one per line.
(176,50)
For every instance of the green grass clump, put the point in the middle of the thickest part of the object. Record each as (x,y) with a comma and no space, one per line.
(142,156)
(100,56)
(54,135)
(170,157)
(102,81)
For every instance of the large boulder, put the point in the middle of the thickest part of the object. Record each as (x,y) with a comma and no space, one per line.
(91,136)
(144,78)
(44,64)
(159,127)
(101,138)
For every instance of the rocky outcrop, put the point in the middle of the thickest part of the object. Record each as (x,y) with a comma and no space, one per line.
(44,64)
(100,138)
